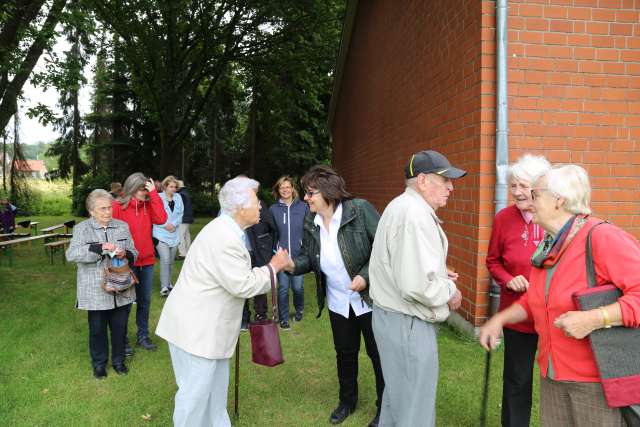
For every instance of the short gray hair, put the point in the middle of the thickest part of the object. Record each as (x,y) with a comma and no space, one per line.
(571,182)
(235,194)
(96,194)
(528,168)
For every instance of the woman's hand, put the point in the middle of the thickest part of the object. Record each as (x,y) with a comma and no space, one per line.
(170,227)
(518,284)
(120,253)
(280,260)
(490,333)
(455,301)
(452,275)
(579,324)
(358,283)
(149,185)
(109,247)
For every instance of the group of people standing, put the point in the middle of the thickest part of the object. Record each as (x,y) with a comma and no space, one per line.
(385,279)
(134,222)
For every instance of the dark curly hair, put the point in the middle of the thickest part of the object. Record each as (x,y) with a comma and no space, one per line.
(328,182)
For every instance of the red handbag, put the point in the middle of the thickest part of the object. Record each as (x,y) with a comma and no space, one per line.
(265,339)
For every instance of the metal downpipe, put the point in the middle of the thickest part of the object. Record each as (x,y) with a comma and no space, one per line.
(502,127)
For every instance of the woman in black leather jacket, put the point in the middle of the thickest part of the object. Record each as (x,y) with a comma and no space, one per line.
(336,246)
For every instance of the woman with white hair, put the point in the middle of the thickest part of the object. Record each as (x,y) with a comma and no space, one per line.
(514,238)
(201,318)
(570,385)
(91,240)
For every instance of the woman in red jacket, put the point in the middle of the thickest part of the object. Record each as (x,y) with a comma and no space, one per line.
(570,385)
(141,207)
(514,238)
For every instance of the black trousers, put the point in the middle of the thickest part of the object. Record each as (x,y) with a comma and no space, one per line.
(519,356)
(99,320)
(346,340)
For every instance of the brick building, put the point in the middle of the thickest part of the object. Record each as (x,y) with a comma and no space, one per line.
(421,74)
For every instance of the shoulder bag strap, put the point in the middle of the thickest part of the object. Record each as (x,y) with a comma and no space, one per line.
(591,269)
(274,299)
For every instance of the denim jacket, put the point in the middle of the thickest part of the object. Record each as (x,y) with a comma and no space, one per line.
(355,238)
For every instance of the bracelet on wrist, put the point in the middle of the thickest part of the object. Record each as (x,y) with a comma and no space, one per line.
(605,317)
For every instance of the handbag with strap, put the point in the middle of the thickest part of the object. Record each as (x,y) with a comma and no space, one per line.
(265,338)
(615,349)
(117,275)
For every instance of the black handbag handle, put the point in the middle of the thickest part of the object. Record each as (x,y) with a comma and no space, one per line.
(274,300)
(591,269)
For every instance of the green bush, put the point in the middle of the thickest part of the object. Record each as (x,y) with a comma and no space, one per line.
(80,192)
(205,203)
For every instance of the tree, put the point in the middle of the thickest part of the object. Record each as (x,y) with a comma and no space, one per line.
(26,30)
(178,49)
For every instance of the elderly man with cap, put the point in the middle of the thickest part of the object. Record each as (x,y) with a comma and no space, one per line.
(412,290)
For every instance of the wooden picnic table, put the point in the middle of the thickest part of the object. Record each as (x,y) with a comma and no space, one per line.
(6,246)
(59,245)
(68,225)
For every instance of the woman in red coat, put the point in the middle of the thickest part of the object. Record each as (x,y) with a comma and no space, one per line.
(570,385)
(514,238)
(141,207)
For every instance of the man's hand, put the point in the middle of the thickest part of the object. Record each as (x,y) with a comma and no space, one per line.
(358,284)
(455,301)
(518,284)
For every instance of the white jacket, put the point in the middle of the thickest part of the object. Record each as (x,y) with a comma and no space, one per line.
(202,315)
(407,269)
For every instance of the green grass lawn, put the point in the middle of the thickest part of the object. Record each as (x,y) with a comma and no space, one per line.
(46,377)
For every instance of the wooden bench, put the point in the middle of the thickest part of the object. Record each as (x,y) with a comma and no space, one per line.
(68,226)
(7,245)
(52,247)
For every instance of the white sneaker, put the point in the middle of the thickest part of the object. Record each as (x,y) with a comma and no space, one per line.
(164,292)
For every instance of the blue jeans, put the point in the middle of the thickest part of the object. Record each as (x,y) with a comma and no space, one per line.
(143,300)
(297,286)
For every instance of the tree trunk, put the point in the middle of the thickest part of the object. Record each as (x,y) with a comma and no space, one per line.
(4,162)
(252,140)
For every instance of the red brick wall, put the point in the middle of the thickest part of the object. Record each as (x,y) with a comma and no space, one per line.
(412,82)
(574,94)
(423,76)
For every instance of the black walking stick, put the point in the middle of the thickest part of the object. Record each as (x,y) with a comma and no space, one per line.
(237,384)
(494,300)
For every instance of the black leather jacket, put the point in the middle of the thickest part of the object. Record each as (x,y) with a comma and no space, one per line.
(355,238)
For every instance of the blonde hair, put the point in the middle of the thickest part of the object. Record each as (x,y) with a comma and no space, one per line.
(168,180)
(571,182)
(276,187)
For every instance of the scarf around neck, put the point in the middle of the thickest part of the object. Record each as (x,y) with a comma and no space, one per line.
(551,249)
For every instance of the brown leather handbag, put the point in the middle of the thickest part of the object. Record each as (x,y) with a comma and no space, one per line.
(265,339)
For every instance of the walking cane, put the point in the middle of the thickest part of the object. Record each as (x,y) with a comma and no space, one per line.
(237,384)
(494,298)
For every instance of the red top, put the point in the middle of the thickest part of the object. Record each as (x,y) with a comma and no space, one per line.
(513,242)
(141,216)
(616,257)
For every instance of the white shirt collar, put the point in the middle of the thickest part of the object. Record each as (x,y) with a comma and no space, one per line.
(337,217)
(234,225)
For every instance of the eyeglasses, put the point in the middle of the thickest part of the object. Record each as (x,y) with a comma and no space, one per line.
(535,192)
(311,193)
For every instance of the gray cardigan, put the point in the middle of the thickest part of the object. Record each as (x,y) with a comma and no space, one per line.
(90,294)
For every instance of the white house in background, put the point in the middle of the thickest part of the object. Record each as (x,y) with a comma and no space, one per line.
(32,168)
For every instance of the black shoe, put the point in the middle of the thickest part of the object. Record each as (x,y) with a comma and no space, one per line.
(121,369)
(374,422)
(285,326)
(260,317)
(341,413)
(146,344)
(244,326)
(128,351)
(298,316)
(100,372)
